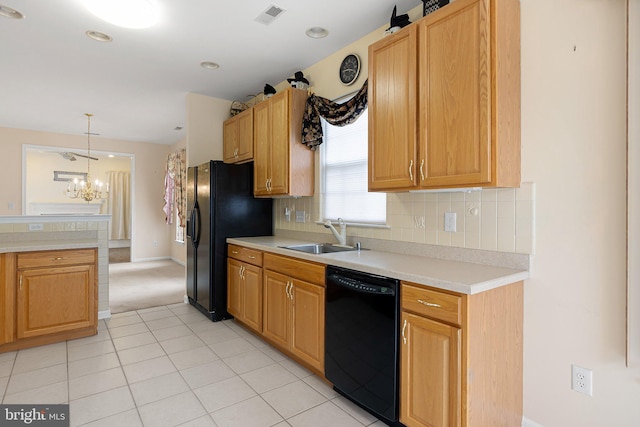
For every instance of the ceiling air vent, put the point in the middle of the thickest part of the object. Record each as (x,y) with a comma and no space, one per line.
(269,14)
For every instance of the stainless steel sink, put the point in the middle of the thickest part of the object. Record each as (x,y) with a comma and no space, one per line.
(319,248)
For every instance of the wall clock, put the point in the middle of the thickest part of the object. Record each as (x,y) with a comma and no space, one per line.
(349,69)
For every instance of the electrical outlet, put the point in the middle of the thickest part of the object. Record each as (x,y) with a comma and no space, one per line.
(300,216)
(582,380)
(450,222)
(418,221)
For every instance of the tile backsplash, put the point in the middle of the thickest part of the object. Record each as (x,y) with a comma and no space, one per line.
(500,220)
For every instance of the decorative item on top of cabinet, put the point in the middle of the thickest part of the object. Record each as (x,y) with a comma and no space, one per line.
(244,286)
(294,295)
(283,166)
(444,97)
(238,137)
(463,354)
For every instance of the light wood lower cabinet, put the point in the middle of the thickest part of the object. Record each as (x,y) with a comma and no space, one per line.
(461,357)
(294,308)
(53,296)
(244,286)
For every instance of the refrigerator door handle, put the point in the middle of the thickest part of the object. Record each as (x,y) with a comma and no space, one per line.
(197,226)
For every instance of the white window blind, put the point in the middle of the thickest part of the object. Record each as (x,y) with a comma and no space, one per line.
(344,175)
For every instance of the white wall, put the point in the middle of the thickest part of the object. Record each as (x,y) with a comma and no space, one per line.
(573,147)
(205,116)
(149,165)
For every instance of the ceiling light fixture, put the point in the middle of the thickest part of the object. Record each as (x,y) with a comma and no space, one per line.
(317,32)
(8,12)
(125,13)
(208,65)
(86,190)
(98,36)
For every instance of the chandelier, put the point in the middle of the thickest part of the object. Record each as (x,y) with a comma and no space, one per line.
(87,191)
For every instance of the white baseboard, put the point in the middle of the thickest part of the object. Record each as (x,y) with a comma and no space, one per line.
(528,423)
(105,314)
(177,261)
(161,258)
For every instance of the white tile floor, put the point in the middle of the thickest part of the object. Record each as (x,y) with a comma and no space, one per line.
(171,366)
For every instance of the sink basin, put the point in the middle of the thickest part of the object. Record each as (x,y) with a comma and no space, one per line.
(319,248)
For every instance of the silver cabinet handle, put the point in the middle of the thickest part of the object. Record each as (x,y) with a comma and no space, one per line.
(235,153)
(411,170)
(404,337)
(251,257)
(234,252)
(58,258)
(421,170)
(429,304)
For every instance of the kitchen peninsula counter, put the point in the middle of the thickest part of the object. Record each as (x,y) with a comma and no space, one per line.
(458,276)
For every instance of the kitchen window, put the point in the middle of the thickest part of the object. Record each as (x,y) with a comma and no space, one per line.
(344,175)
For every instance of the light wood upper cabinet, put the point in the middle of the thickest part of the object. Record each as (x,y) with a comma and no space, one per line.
(444,106)
(283,166)
(238,138)
(393,132)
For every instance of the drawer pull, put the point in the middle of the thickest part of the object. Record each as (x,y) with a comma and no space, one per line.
(234,252)
(58,258)
(252,257)
(404,337)
(429,304)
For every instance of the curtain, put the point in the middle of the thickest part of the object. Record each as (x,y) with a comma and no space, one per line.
(334,113)
(119,204)
(175,187)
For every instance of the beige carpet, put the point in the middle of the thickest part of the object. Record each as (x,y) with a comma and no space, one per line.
(137,285)
(117,255)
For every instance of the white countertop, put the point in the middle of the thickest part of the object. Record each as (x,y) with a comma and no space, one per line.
(462,277)
(46,245)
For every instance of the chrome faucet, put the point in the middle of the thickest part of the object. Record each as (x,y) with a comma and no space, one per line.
(342,235)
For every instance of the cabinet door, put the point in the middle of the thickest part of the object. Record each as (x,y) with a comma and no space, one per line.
(307,331)
(230,140)
(279,172)
(455,96)
(234,288)
(252,297)
(262,146)
(245,136)
(430,365)
(277,306)
(393,111)
(55,299)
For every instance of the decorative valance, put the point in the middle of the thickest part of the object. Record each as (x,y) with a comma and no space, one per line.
(334,113)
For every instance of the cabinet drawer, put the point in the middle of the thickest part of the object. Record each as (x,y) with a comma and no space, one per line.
(250,256)
(303,270)
(55,258)
(435,304)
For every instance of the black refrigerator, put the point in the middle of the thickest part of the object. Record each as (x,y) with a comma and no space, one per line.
(220,204)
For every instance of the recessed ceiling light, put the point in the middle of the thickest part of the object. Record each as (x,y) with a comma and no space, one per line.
(317,32)
(98,36)
(209,65)
(8,12)
(125,13)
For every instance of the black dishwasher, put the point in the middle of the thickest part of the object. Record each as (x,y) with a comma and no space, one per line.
(361,339)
